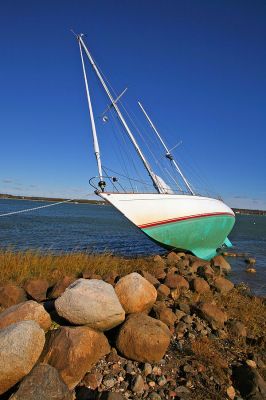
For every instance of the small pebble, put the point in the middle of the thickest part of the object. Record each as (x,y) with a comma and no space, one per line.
(147,369)
(162,380)
(137,384)
(251,363)
(230,391)
(109,383)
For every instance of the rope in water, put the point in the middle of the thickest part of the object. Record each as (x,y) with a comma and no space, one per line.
(36,208)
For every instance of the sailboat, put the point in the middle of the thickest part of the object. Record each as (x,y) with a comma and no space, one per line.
(183,221)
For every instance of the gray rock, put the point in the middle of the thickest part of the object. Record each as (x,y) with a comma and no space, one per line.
(154,396)
(91,302)
(43,383)
(109,381)
(147,369)
(20,347)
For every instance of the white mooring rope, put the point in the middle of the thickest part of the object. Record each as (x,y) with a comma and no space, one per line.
(36,208)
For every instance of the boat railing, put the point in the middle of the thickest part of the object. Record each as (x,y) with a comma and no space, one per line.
(122,184)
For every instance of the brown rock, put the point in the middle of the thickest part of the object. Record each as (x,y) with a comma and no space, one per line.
(61,286)
(163,291)
(251,270)
(43,383)
(167,316)
(172,258)
(250,260)
(111,278)
(93,380)
(206,271)
(198,263)
(200,285)
(237,328)
(173,280)
(89,274)
(222,285)
(29,310)
(10,295)
(175,294)
(135,293)
(220,262)
(137,385)
(36,288)
(183,264)
(182,255)
(143,338)
(150,278)
(159,273)
(159,263)
(213,315)
(73,351)
(230,391)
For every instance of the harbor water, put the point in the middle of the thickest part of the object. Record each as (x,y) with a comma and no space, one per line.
(100,228)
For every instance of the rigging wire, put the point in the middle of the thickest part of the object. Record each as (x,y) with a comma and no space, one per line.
(193,170)
(121,153)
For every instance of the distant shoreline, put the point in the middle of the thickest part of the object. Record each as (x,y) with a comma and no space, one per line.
(241,211)
(48,199)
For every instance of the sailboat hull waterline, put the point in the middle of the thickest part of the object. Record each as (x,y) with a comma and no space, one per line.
(196,224)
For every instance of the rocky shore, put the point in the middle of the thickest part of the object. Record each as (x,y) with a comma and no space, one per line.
(179,330)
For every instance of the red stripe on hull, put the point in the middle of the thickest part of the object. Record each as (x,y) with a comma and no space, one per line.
(168,221)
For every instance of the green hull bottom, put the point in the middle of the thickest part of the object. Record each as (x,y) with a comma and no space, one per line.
(200,236)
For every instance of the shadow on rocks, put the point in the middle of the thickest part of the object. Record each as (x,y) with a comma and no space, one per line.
(84,393)
(249,382)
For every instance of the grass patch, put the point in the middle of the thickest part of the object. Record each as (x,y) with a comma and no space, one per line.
(249,310)
(206,352)
(19,266)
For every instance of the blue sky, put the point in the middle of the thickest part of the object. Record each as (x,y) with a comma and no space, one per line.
(198,66)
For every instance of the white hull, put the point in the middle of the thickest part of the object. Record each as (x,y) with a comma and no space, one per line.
(145,209)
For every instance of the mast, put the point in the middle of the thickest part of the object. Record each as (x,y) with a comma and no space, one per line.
(115,106)
(93,127)
(168,154)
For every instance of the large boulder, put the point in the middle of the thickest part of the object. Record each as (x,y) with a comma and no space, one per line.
(73,351)
(36,288)
(20,347)
(26,311)
(91,302)
(43,383)
(135,293)
(212,314)
(142,338)
(10,295)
